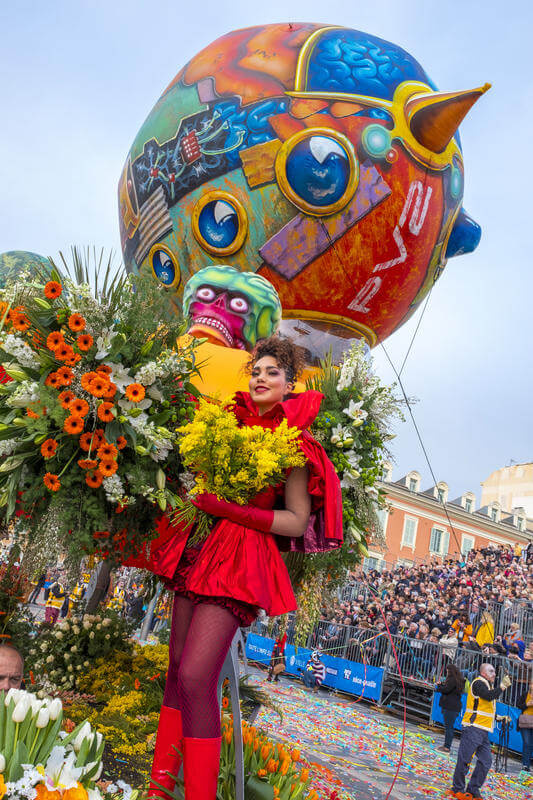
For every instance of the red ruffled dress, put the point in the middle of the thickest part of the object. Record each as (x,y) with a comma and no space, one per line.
(241,568)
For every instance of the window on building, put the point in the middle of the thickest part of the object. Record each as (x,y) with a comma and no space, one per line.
(468,505)
(409,532)
(467,544)
(521,523)
(371,562)
(439,541)
(383,516)
(413,484)
(494,514)
(440,495)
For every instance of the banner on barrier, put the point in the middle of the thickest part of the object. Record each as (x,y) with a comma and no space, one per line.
(502,709)
(347,676)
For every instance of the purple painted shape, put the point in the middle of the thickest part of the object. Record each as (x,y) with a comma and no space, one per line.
(304,238)
(206,90)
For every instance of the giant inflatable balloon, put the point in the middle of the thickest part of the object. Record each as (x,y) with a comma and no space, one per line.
(321,158)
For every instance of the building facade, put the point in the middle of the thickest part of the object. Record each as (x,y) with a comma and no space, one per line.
(420,525)
(511,487)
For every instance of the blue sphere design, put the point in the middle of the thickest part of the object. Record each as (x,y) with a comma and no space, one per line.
(318,170)
(218,223)
(376,140)
(163,267)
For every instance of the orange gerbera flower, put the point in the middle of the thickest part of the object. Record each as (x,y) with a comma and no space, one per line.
(78,407)
(111,392)
(52,290)
(88,441)
(135,392)
(76,323)
(107,451)
(104,368)
(87,463)
(66,376)
(122,442)
(64,352)
(85,341)
(108,467)
(31,414)
(86,378)
(21,322)
(94,479)
(52,482)
(98,386)
(55,340)
(53,380)
(66,397)
(48,448)
(105,413)
(73,424)
(73,360)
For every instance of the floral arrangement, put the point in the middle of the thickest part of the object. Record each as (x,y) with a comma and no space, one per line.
(63,653)
(354,427)
(233,462)
(85,421)
(14,588)
(38,759)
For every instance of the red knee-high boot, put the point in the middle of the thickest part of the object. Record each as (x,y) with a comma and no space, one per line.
(201,763)
(166,758)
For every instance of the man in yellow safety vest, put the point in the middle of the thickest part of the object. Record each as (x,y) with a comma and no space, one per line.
(55,600)
(477,722)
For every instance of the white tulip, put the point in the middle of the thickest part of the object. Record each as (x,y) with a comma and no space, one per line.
(13,694)
(55,708)
(43,718)
(84,733)
(21,709)
(2,763)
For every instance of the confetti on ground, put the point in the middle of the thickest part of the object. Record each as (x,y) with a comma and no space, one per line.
(354,750)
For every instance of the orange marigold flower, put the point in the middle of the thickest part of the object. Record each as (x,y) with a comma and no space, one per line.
(55,340)
(76,323)
(111,392)
(94,479)
(107,451)
(78,407)
(66,397)
(105,413)
(52,482)
(48,448)
(98,386)
(73,424)
(64,352)
(86,378)
(108,467)
(52,290)
(31,414)
(105,369)
(88,441)
(53,380)
(122,442)
(66,376)
(85,341)
(135,392)
(87,463)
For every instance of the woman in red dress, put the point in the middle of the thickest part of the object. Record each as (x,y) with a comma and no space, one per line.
(222,583)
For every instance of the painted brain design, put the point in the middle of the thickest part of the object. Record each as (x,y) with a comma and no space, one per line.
(320,158)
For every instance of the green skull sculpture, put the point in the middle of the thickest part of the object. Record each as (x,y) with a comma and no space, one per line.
(231,308)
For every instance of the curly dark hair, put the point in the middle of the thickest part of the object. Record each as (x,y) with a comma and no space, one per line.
(289,357)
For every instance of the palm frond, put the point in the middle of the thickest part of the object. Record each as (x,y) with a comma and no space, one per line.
(95,268)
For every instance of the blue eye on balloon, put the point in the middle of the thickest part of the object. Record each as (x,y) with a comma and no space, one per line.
(164,266)
(317,171)
(219,223)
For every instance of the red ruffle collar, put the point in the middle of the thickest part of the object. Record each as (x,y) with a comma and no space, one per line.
(299,409)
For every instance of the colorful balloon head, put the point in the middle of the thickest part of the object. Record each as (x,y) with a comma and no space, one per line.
(231,308)
(318,157)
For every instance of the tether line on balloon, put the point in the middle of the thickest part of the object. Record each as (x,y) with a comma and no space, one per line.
(399,379)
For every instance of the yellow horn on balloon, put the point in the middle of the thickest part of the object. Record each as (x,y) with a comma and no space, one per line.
(433,117)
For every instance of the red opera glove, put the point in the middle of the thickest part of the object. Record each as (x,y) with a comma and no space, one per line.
(260,519)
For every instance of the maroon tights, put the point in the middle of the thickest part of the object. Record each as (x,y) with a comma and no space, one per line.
(200,638)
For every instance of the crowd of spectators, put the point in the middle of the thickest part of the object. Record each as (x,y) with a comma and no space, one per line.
(458,605)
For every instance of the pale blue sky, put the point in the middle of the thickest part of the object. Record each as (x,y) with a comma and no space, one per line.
(78,79)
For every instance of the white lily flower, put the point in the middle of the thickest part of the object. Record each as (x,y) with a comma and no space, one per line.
(356,412)
(104,343)
(154,393)
(60,771)
(127,405)
(120,376)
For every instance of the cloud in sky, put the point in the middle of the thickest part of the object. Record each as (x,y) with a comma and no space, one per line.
(79,79)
